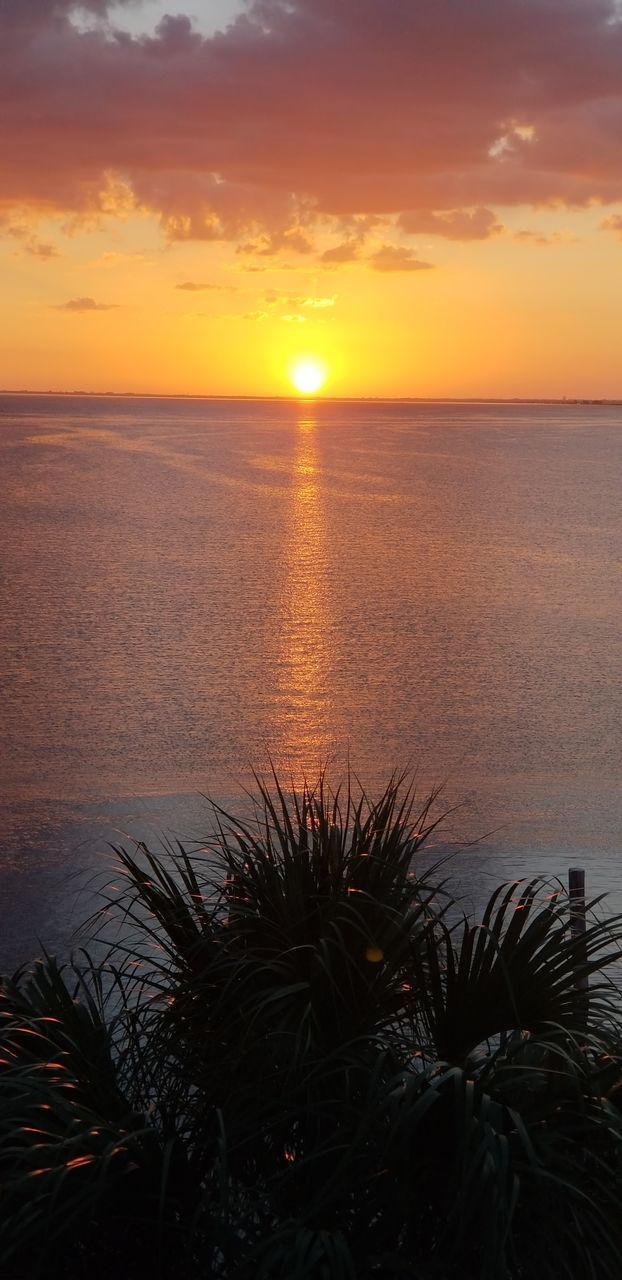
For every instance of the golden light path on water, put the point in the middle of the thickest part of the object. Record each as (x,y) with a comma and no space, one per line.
(304,732)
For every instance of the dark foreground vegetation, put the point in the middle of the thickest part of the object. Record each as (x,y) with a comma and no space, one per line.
(300,1064)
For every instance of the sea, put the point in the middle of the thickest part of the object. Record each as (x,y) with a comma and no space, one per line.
(191,589)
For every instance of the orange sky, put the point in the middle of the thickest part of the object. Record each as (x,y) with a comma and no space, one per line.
(428,198)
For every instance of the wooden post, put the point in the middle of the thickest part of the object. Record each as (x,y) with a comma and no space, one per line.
(578,925)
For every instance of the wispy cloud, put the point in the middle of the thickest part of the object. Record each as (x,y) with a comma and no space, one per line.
(197,286)
(544,239)
(357,228)
(391,257)
(85,304)
(453,224)
(313,302)
(319,304)
(613,223)
(28,240)
(41,249)
(267,245)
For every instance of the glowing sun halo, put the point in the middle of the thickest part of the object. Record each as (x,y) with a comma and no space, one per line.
(307,374)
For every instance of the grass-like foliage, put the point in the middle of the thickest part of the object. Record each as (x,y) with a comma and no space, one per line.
(296,1062)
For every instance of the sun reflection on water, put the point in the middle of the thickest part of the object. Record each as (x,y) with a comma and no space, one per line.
(305,730)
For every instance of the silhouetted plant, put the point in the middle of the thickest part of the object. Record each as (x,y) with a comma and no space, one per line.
(292,1063)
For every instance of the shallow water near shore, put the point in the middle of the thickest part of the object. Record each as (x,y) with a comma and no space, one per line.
(190,584)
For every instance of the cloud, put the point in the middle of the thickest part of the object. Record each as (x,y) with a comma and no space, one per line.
(613,223)
(279,297)
(533,237)
(41,249)
(305,114)
(358,228)
(543,238)
(85,304)
(453,224)
(347,251)
(319,304)
(27,240)
(265,246)
(390,257)
(194,286)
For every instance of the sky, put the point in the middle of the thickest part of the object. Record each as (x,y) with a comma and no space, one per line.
(426,197)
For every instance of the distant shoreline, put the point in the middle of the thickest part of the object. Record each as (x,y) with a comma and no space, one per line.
(293,399)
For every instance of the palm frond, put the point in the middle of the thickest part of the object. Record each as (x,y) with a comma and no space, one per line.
(281,1058)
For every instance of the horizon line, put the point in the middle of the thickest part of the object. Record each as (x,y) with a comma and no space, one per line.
(301,399)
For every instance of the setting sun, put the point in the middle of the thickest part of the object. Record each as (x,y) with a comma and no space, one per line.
(308,374)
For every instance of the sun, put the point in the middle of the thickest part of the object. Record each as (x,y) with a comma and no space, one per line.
(308,374)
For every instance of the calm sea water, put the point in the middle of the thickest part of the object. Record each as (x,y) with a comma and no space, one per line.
(188,585)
